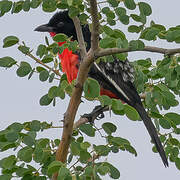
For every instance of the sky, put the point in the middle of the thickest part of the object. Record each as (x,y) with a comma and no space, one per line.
(19,97)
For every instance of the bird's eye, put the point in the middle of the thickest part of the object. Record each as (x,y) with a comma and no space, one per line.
(60,24)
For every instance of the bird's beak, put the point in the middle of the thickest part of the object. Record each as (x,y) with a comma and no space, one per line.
(44,28)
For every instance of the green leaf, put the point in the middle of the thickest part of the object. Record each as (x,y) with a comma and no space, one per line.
(145,62)
(135,17)
(5,6)
(16,127)
(60,93)
(35,3)
(7,62)
(47,59)
(8,162)
(124,19)
(52,92)
(41,50)
(87,129)
(130,149)
(134,29)
(91,88)
(25,154)
(151,34)
(113,3)
(177,163)
(131,113)
(145,8)
(75,148)
(12,136)
(24,69)
(130,4)
(102,150)
(39,69)
(24,49)
(6,145)
(85,145)
(17,7)
(26,6)
(120,11)
(117,105)
(174,141)
(54,167)
(103,170)
(105,100)
(35,125)
(114,172)
(136,45)
(108,30)
(10,41)
(43,75)
(45,100)
(164,123)
(109,128)
(84,156)
(174,117)
(63,173)
(28,140)
(118,141)
(51,77)
(73,11)
(60,37)
(6,177)
(49,5)
(107,42)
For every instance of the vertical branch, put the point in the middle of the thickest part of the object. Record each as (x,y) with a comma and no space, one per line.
(62,151)
(80,37)
(95,25)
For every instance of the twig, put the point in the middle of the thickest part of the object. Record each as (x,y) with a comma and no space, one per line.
(80,37)
(40,62)
(110,51)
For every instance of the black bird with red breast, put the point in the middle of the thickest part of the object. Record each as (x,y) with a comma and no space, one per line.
(115,78)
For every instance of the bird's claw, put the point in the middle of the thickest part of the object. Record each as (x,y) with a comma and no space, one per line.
(97,114)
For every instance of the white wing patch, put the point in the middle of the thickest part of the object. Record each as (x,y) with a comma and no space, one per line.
(112,81)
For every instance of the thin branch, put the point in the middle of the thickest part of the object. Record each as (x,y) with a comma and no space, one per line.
(80,37)
(95,25)
(110,51)
(40,62)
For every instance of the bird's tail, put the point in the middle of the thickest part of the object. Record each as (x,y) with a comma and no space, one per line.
(152,132)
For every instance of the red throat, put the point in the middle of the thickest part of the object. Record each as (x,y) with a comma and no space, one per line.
(69,62)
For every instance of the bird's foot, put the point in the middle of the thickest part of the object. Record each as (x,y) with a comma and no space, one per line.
(97,114)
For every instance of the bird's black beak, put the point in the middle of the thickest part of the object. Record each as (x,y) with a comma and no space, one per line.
(44,28)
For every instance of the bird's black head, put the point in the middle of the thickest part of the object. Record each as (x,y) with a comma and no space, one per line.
(62,23)
(59,23)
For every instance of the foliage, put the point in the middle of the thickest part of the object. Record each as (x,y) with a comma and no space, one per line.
(160,82)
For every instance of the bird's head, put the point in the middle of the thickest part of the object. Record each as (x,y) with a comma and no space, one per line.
(59,23)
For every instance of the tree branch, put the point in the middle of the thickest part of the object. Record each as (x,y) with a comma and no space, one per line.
(46,66)
(95,25)
(62,151)
(110,51)
(80,37)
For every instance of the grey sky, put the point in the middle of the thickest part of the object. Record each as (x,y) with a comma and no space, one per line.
(19,97)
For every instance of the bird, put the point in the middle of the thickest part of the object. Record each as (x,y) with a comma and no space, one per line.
(116,78)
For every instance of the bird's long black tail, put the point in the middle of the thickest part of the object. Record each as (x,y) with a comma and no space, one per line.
(152,132)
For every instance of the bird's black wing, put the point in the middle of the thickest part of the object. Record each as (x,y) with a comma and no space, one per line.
(118,77)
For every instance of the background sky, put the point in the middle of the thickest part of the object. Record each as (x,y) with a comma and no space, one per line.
(19,97)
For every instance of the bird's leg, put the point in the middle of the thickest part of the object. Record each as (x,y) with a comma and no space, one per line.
(97,113)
